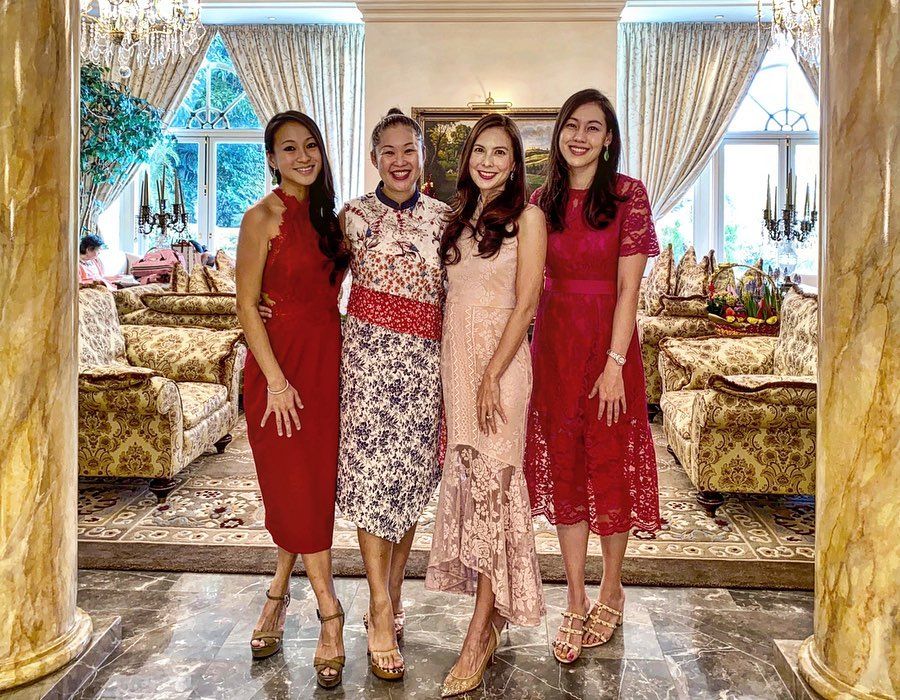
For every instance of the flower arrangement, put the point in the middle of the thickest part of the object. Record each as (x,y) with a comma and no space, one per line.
(749,307)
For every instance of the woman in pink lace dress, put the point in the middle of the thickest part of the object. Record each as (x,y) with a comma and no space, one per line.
(494,247)
(589,462)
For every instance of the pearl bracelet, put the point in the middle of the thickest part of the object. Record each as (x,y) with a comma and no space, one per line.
(280,391)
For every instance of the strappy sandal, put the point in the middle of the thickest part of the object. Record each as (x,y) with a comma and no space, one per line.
(594,619)
(399,623)
(566,645)
(386,674)
(337,663)
(271,639)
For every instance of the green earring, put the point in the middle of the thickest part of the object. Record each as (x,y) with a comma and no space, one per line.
(606,154)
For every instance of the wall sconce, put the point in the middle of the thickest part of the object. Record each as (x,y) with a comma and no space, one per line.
(490,105)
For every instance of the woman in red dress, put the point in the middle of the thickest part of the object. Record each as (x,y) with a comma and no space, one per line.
(589,460)
(290,252)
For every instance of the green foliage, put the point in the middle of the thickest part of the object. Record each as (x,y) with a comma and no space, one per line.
(117,129)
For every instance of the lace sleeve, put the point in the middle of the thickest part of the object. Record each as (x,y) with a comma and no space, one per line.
(637,235)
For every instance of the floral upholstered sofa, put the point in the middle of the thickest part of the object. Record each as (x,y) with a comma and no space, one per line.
(740,413)
(203,299)
(151,399)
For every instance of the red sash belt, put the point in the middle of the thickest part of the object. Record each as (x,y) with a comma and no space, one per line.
(593,287)
(396,313)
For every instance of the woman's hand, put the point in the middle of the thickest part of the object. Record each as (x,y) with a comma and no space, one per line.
(610,389)
(283,406)
(488,404)
(265,307)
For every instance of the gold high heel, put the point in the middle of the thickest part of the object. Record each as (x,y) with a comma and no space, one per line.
(594,618)
(337,663)
(453,685)
(271,639)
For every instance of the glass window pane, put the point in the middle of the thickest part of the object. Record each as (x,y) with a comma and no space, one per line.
(240,181)
(746,167)
(677,227)
(779,99)
(242,116)
(806,164)
(183,158)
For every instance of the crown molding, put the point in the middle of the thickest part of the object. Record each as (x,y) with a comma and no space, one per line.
(495,11)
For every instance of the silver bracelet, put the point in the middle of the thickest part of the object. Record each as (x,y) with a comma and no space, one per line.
(617,358)
(287,384)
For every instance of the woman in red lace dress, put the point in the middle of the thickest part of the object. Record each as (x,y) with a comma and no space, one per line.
(291,253)
(589,460)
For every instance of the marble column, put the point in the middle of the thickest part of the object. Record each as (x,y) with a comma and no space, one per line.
(855,649)
(40,627)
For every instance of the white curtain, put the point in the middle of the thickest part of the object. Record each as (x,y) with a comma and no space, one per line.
(164,86)
(680,85)
(317,69)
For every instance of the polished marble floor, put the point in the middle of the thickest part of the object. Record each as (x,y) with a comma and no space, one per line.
(185,636)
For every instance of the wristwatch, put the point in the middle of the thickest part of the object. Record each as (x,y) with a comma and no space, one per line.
(617,358)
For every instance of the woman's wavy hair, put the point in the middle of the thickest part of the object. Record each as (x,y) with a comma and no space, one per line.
(601,202)
(498,219)
(321,192)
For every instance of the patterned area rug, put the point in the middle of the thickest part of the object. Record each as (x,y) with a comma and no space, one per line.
(214,521)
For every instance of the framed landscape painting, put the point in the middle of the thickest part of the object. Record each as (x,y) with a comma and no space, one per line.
(446,128)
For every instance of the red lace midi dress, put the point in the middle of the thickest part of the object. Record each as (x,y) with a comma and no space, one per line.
(298,474)
(579,469)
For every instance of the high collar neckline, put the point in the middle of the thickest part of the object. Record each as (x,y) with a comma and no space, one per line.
(387,201)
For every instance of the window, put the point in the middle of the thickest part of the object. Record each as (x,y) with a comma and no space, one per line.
(775,128)
(217,150)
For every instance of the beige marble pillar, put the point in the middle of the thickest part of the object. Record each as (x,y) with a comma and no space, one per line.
(40,627)
(855,650)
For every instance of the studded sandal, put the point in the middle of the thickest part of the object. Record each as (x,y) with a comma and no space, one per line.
(566,646)
(594,619)
(271,639)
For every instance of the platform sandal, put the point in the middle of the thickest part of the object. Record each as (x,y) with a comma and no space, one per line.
(337,663)
(399,623)
(565,646)
(271,639)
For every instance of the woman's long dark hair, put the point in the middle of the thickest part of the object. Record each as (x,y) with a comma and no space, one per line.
(499,216)
(602,202)
(321,192)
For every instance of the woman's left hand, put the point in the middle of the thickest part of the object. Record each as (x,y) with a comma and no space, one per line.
(610,389)
(488,404)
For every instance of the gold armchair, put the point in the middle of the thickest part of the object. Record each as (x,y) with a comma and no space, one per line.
(740,413)
(151,400)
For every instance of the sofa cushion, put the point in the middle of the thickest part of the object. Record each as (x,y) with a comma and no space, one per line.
(220,280)
(180,279)
(691,276)
(796,352)
(659,281)
(100,341)
(225,262)
(678,409)
(149,317)
(198,281)
(210,303)
(200,400)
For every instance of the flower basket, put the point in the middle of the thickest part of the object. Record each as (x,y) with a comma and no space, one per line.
(753,308)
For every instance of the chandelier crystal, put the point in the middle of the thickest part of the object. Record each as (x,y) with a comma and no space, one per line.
(797,24)
(112,31)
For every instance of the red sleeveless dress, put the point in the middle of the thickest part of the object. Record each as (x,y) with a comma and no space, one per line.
(579,469)
(298,475)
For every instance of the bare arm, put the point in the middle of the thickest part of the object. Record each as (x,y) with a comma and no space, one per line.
(532,251)
(609,384)
(257,228)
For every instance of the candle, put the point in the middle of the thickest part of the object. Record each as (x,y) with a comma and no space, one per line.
(162,187)
(814,191)
(145,195)
(806,204)
(794,192)
(768,195)
(179,198)
(776,201)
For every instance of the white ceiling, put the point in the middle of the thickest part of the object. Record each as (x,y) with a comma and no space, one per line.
(343,11)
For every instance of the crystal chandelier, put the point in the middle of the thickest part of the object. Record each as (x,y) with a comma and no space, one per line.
(112,31)
(796,23)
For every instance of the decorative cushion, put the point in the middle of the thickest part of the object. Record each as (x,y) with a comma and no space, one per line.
(684,306)
(199,401)
(724,280)
(659,281)
(797,350)
(182,354)
(220,280)
(691,276)
(99,338)
(224,262)
(198,281)
(128,300)
(180,279)
(209,303)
